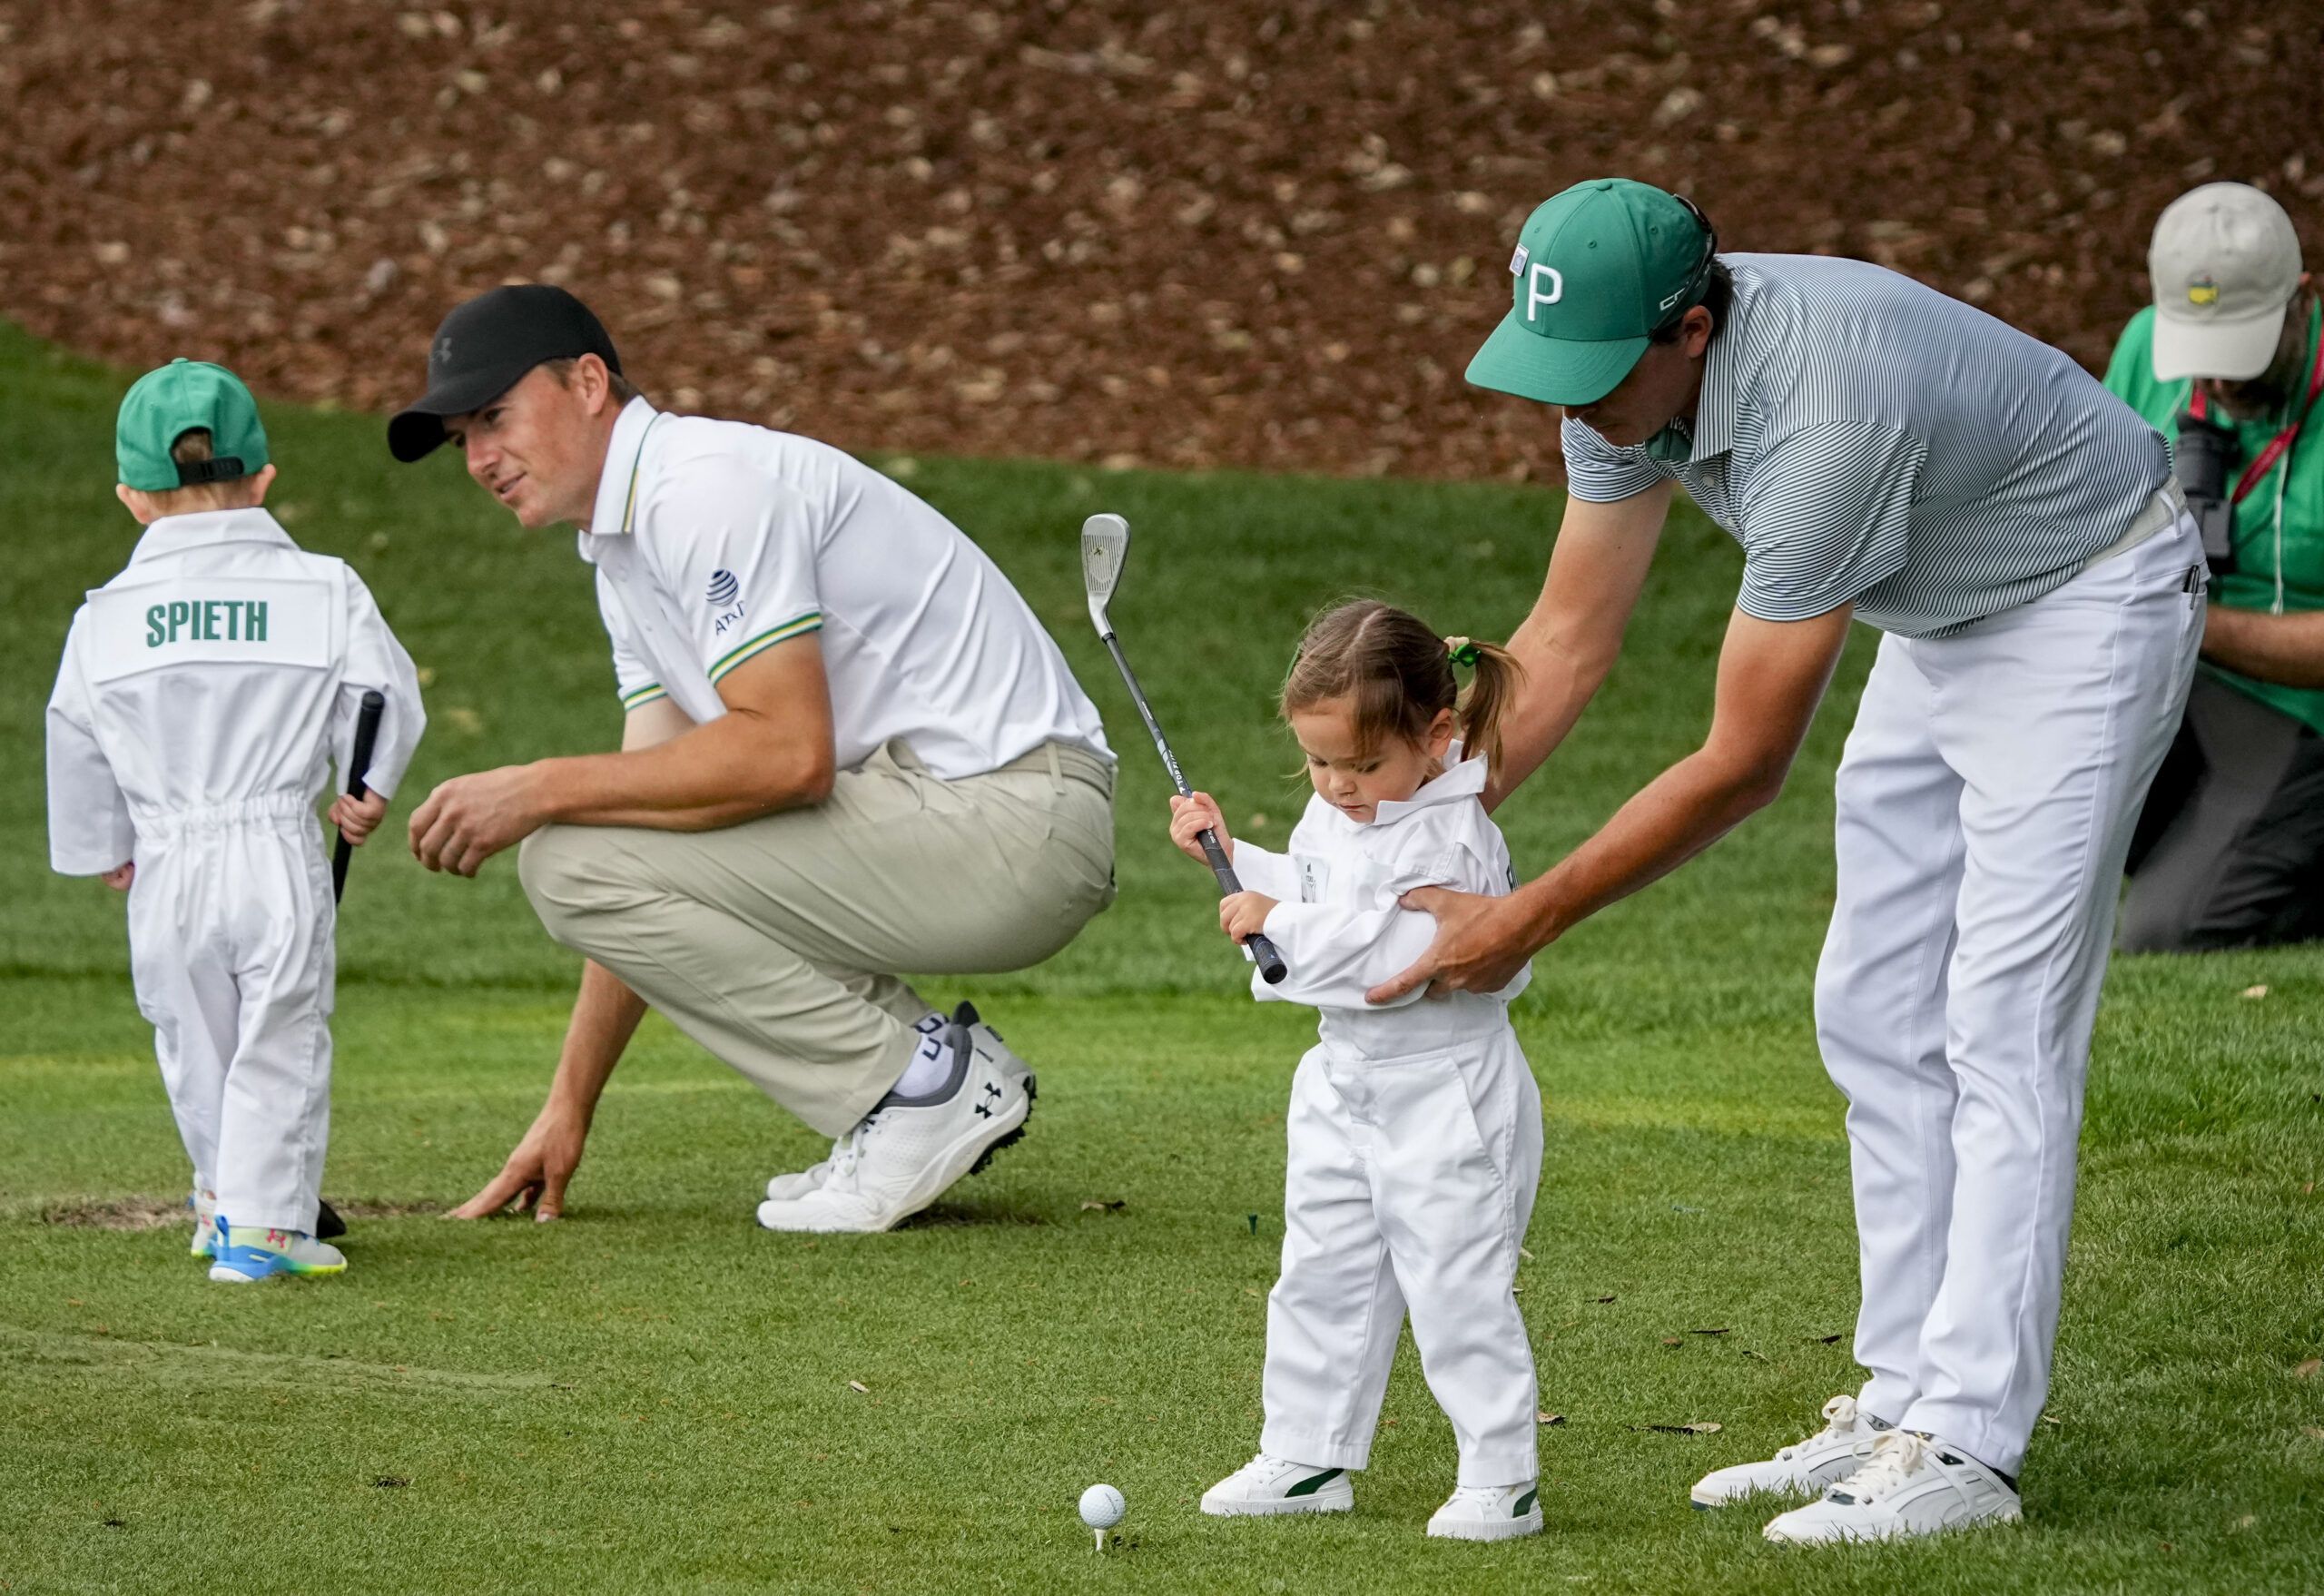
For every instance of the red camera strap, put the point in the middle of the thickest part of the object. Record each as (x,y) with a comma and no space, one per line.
(2282,441)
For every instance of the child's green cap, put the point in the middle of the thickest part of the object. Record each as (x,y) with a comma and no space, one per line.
(180,398)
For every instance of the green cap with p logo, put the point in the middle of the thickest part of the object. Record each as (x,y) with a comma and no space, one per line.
(187,395)
(1598,269)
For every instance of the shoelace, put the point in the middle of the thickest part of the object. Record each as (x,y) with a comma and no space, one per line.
(1895,1458)
(846,1152)
(1483,1495)
(1839,1414)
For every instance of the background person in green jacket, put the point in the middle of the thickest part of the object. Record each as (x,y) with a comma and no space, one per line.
(2229,848)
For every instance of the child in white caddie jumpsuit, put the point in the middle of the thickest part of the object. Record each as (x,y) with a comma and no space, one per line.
(1414,1130)
(201,692)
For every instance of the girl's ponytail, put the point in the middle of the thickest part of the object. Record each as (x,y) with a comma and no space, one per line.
(1481,706)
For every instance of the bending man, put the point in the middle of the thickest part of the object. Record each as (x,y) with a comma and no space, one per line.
(1888,455)
(849,751)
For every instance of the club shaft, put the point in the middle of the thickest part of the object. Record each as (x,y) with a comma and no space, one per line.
(1145,714)
(1258,945)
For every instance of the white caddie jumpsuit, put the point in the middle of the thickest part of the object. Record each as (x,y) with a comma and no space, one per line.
(201,692)
(1416,1143)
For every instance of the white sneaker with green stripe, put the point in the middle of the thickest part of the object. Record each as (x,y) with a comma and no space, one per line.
(1268,1485)
(1489,1513)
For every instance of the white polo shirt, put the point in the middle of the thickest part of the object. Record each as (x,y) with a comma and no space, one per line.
(715,540)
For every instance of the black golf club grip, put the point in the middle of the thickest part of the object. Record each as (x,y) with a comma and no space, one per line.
(358,765)
(1262,949)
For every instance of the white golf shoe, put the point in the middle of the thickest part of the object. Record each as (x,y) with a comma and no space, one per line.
(783,1188)
(1267,1486)
(1910,1485)
(908,1151)
(1489,1513)
(1803,1468)
(799,1183)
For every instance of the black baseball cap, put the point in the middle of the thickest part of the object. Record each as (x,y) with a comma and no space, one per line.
(483,348)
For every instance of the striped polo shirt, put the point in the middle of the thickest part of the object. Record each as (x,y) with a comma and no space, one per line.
(1870,441)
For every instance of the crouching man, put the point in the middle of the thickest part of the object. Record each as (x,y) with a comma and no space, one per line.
(849,751)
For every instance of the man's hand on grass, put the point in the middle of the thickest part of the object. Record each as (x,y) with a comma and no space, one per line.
(536,1174)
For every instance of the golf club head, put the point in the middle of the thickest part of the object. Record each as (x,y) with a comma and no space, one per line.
(1105,547)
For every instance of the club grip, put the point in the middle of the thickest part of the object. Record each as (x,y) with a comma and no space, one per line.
(1262,950)
(358,766)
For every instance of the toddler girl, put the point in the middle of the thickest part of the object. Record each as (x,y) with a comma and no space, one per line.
(1414,1128)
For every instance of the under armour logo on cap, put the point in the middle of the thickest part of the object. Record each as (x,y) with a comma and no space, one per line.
(484,348)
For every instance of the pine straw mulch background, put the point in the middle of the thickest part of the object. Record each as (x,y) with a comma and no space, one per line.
(1242,233)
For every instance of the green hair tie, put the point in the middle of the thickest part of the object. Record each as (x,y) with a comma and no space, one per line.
(1464,651)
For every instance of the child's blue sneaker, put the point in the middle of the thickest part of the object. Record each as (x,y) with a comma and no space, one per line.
(204,1204)
(249,1254)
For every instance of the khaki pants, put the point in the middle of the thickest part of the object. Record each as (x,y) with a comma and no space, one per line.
(778,943)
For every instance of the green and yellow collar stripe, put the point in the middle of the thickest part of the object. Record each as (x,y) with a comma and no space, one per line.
(646,695)
(629,504)
(812,621)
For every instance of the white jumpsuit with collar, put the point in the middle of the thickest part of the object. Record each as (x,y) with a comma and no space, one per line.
(1415,1139)
(203,693)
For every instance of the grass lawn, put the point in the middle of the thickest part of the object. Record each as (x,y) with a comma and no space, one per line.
(654,1394)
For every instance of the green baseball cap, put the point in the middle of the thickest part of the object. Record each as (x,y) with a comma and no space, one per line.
(1598,269)
(182,397)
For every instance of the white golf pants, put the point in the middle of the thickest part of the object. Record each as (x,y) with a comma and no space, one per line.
(230,926)
(1985,804)
(1409,1186)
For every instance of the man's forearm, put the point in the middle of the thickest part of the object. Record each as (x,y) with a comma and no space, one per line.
(1558,686)
(1676,816)
(605,1017)
(2287,650)
(717,774)
(1570,641)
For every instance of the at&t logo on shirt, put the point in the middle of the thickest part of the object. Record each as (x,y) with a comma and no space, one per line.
(723,590)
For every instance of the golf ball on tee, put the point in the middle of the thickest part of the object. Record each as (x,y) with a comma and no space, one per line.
(1102,1507)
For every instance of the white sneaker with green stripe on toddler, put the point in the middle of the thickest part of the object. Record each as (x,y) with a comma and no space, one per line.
(1267,1486)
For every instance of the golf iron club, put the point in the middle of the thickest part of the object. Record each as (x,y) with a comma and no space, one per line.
(1105,547)
(358,766)
(328,1224)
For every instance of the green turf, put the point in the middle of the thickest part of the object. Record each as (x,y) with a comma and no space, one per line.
(653,1394)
